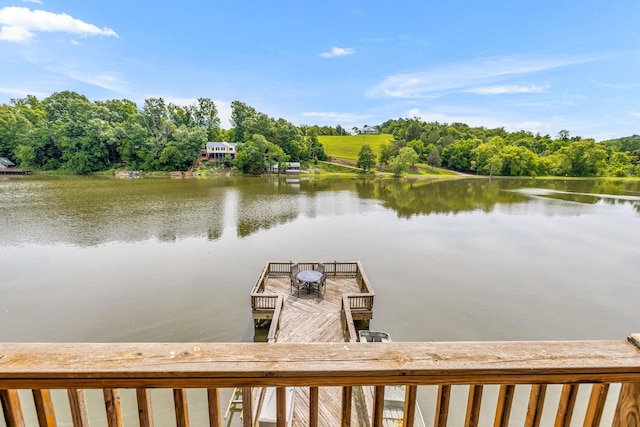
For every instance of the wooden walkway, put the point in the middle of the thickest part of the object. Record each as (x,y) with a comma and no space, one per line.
(310,318)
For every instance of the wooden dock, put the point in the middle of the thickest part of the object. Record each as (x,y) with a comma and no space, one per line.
(309,317)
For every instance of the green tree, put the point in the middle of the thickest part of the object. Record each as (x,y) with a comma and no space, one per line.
(433,158)
(386,153)
(406,157)
(366,158)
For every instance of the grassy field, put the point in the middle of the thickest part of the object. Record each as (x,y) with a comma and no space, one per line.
(347,147)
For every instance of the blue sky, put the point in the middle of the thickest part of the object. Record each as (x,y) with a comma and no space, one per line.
(540,66)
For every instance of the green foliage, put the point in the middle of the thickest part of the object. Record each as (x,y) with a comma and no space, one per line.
(366,158)
(400,164)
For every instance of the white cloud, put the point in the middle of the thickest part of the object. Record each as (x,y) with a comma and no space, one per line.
(338,51)
(635,114)
(335,117)
(465,76)
(32,1)
(20,24)
(506,89)
(19,93)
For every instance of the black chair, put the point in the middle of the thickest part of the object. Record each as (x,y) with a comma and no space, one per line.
(320,284)
(295,283)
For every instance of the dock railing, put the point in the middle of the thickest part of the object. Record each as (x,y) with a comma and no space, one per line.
(29,372)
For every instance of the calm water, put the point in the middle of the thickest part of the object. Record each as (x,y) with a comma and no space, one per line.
(101,259)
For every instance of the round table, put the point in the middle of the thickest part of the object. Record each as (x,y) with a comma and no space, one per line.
(309,276)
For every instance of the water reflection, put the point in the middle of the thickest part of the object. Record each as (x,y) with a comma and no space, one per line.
(94,211)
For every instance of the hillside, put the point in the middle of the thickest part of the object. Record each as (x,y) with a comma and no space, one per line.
(347,147)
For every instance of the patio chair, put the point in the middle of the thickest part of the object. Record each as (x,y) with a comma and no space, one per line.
(320,284)
(295,283)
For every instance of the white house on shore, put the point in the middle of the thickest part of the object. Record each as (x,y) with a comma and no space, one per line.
(217,151)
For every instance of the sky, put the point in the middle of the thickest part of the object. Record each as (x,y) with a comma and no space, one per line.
(540,66)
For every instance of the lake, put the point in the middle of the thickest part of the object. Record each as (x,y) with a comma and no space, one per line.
(158,260)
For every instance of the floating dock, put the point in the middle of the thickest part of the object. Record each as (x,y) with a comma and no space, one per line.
(312,317)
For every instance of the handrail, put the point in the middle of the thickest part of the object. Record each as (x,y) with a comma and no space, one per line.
(275,321)
(180,366)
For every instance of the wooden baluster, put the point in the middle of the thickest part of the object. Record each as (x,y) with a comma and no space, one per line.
(313,406)
(378,406)
(536,404)
(247,407)
(503,409)
(442,407)
(44,408)
(78,406)
(566,405)
(596,405)
(628,407)
(347,394)
(112,404)
(145,416)
(181,408)
(213,398)
(12,408)
(473,406)
(411,394)
(281,407)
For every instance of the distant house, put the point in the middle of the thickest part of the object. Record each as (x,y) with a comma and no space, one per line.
(369,130)
(217,151)
(292,167)
(6,163)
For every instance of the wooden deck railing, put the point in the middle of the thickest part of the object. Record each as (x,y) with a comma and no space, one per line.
(211,366)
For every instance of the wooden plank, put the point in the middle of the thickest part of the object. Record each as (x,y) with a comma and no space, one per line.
(378,406)
(117,365)
(113,407)
(213,400)
(313,406)
(247,407)
(473,406)
(145,416)
(181,407)
(410,405)
(281,407)
(503,408)
(595,408)
(566,405)
(12,409)
(347,396)
(628,408)
(78,407)
(44,408)
(536,404)
(442,406)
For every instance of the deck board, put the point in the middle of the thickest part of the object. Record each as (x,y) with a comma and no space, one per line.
(311,318)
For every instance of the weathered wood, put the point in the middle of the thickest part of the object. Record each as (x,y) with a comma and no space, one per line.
(213,400)
(275,322)
(442,406)
(347,396)
(145,416)
(628,408)
(411,394)
(113,407)
(473,406)
(378,406)
(12,409)
(348,319)
(281,407)
(205,365)
(44,408)
(181,407)
(247,407)
(313,406)
(597,399)
(78,407)
(503,408)
(536,405)
(566,405)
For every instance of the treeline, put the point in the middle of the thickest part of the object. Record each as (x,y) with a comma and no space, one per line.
(66,131)
(484,151)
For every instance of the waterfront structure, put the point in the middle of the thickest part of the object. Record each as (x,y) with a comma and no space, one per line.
(217,151)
